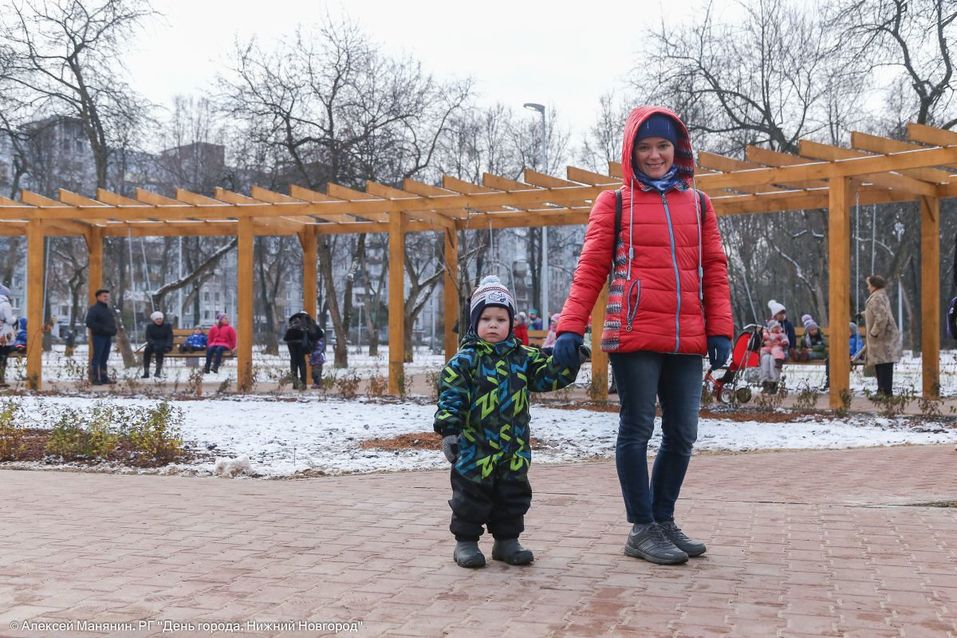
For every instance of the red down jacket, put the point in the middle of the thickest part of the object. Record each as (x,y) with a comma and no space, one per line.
(657,301)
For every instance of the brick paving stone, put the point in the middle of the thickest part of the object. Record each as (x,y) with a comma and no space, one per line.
(791,552)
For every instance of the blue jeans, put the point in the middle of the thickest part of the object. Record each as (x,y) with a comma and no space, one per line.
(675,379)
(101,354)
(214,356)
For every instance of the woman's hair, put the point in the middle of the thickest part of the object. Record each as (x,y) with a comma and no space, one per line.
(877,281)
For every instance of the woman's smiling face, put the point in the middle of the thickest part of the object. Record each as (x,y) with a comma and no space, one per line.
(654,156)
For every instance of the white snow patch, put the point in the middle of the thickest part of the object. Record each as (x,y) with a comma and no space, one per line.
(281,438)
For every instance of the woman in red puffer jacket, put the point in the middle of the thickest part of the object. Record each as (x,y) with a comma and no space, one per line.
(668,304)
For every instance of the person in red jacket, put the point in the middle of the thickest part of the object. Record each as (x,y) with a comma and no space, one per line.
(669,303)
(222,337)
(520,328)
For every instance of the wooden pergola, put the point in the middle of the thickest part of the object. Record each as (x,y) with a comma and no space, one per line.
(877,170)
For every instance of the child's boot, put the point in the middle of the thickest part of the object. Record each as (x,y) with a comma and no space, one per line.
(468,554)
(511,551)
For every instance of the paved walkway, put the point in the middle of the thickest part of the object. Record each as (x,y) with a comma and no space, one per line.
(820,543)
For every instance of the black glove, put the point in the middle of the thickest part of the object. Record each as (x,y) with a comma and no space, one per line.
(566,349)
(450,447)
(719,349)
(584,354)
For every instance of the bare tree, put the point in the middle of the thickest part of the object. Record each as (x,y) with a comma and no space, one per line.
(337,110)
(66,60)
(914,39)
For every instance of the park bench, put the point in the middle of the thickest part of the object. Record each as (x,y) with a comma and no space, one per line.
(179,337)
(537,337)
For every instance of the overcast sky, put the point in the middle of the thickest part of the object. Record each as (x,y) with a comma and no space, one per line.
(562,54)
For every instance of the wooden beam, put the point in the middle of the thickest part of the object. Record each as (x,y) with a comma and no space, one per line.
(583,176)
(450,292)
(853,167)
(439,219)
(498,182)
(13,228)
(396,304)
(351,195)
(767,157)
(244,306)
(35,292)
(115,199)
(232,197)
(175,229)
(839,293)
(309,240)
(599,358)
(155,199)
(195,199)
(36,199)
(930,296)
(94,280)
(7,202)
(308,195)
(897,181)
(877,144)
(722,163)
(73,199)
(930,135)
(545,181)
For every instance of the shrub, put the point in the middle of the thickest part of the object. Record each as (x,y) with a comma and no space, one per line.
(348,385)
(378,384)
(806,398)
(154,434)
(11,431)
(84,435)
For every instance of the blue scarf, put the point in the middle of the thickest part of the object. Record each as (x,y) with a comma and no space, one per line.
(663,183)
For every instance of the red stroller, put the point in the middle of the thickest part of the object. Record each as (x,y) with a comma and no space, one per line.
(745,354)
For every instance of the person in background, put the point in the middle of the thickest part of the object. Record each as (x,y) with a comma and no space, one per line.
(222,337)
(159,341)
(856,342)
(780,314)
(520,328)
(534,321)
(882,347)
(8,332)
(317,358)
(300,338)
(669,303)
(102,324)
(552,335)
(813,347)
(774,348)
(195,342)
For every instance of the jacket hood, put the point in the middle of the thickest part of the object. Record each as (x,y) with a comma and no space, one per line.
(684,154)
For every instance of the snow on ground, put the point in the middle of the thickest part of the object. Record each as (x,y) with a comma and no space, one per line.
(283,437)
(272,368)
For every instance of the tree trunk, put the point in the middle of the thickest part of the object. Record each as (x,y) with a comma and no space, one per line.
(123,343)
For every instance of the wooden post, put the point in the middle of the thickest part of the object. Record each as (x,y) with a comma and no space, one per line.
(94,281)
(309,239)
(599,358)
(35,237)
(396,302)
(450,291)
(310,249)
(930,295)
(244,306)
(839,292)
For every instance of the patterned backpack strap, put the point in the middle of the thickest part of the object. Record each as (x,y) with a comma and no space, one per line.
(614,241)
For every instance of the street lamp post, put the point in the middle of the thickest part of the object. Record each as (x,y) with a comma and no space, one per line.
(544,167)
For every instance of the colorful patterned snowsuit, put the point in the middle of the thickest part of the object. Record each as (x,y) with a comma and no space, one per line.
(483,398)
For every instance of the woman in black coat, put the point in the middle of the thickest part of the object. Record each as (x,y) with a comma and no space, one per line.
(159,341)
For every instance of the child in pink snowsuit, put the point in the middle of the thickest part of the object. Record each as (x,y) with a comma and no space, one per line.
(775,341)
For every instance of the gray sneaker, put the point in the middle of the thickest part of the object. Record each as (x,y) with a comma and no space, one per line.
(680,539)
(649,542)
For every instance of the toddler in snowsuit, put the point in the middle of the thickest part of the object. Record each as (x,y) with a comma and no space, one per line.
(317,358)
(483,418)
(774,349)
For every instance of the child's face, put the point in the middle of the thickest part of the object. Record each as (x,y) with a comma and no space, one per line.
(776,329)
(493,324)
